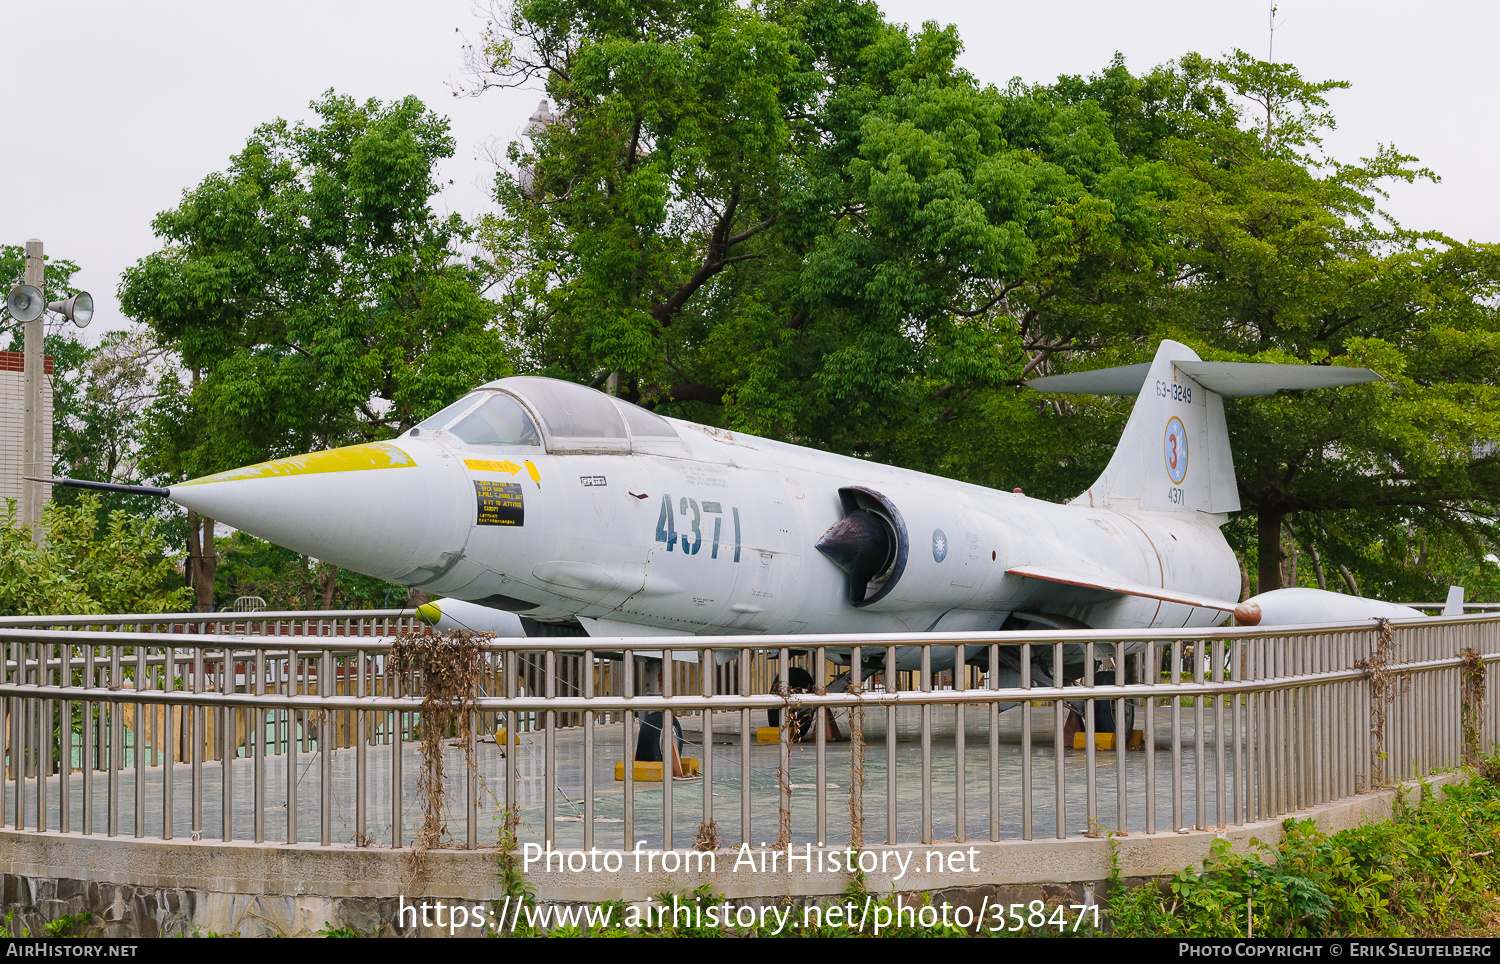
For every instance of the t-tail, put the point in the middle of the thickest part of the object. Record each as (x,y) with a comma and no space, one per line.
(1174,454)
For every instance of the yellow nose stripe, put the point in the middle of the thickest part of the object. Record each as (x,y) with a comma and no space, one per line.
(351,458)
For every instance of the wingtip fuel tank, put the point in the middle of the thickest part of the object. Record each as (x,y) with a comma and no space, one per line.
(1297,605)
(450,615)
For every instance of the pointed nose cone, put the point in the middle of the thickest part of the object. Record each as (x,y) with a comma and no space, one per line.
(394,513)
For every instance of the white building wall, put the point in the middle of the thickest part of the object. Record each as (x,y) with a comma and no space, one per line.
(12,417)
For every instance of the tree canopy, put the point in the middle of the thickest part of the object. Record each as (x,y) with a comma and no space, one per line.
(313,297)
(313,294)
(1282,254)
(794,218)
(77,571)
(797,219)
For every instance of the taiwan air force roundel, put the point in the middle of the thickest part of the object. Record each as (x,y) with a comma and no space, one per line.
(1175,450)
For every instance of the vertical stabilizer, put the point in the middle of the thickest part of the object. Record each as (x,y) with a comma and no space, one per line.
(1174,454)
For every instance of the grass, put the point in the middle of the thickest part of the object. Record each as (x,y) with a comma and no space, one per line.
(1433,870)
(1430,871)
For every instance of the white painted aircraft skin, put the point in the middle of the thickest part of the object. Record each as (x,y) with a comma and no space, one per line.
(714,532)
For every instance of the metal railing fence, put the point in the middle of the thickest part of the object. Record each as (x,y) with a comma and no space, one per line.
(321,622)
(373,622)
(304,736)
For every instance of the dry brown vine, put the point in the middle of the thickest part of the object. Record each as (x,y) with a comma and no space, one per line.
(856,771)
(444,668)
(1473,704)
(1384,685)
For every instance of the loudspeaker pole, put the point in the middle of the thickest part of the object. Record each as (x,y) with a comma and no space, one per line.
(32,432)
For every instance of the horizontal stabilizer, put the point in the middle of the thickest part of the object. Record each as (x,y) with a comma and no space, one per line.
(1230,379)
(1105,584)
(1174,454)
(1124,380)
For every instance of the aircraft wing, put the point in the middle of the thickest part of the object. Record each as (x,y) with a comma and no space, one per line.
(1279,607)
(1118,587)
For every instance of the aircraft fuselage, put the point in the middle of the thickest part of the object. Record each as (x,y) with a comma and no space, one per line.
(713,532)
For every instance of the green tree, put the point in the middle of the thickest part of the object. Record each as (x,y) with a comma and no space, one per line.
(797,219)
(314,297)
(77,571)
(1281,254)
(100,395)
(666,165)
(286,580)
(312,292)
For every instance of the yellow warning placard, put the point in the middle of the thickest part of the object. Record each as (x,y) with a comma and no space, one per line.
(500,504)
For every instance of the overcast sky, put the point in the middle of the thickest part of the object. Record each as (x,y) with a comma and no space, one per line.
(138,102)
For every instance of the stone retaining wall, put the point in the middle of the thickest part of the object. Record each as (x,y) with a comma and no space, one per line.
(156,888)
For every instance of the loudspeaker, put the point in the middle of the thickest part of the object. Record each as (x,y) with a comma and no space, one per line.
(25,303)
(78,309)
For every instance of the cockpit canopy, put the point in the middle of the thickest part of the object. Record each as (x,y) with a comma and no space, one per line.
(572,418)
